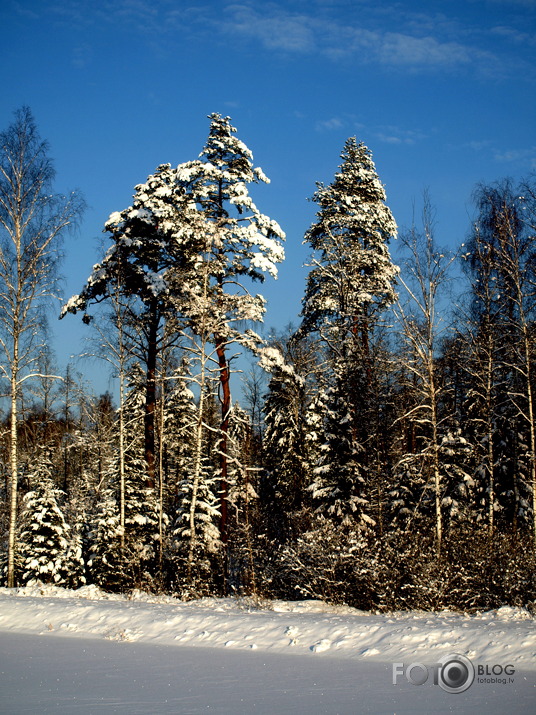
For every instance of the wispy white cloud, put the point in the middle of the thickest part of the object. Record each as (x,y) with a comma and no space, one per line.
(515,36)
(482,145)
(423,42)
(525,3)
(520,158)
(400,49)
(25,11)
(82,55)
(142,16)
(387,134)
(362,33)
(329,124)
(276,30)
(525,157)
(396,135)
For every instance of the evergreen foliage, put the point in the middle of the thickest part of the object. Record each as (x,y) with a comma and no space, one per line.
(352,276)
(43,544)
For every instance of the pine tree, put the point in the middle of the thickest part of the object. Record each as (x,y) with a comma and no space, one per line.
(241,245)
(194,534)
(141,538)
(180,418)
(154,251)
(337,486)
(285,447)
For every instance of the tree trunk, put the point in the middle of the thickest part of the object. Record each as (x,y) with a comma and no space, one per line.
(150,396)
(225,398)
(435,455)
(489,420)
(532,429)
(14,470)
(122,451)
(197,471)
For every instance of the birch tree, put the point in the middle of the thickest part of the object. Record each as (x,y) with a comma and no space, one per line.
(507,232)
(422,324)
(482,335)
(32,223)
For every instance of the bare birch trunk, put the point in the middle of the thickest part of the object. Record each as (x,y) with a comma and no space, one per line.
(150,397)
(32,221)
(197,471)
(435,462)
(532,431)
(491,457)
(224,435)
(122,454)
(13,453)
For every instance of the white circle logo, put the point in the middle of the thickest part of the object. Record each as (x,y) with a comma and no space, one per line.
(456,673)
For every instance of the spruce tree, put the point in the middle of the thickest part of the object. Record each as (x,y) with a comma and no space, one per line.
(284,447)
(43,543)
(352,276)
(350,283)
(108,563)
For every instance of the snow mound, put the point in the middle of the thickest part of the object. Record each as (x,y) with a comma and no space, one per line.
(308,628)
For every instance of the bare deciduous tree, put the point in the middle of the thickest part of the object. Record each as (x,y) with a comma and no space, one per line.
(32,221)
(426,272)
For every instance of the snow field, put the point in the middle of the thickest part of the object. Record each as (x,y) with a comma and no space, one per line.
(84,651)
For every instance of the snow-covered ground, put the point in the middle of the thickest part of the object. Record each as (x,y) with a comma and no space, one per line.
(85,651)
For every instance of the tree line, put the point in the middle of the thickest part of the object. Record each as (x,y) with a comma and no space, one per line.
(382,453)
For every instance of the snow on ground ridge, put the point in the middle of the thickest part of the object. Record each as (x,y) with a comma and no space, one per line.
(304,627)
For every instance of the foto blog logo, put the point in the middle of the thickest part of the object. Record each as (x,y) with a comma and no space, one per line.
(454,673)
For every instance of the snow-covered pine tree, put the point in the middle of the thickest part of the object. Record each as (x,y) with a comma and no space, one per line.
(75,509)
(180,418)
(141,508)
(134,549)
(43,543)
(241,245)
(153,252)
(244,518)
(337,483)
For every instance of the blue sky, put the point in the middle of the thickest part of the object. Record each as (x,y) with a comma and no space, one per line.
(442,92)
